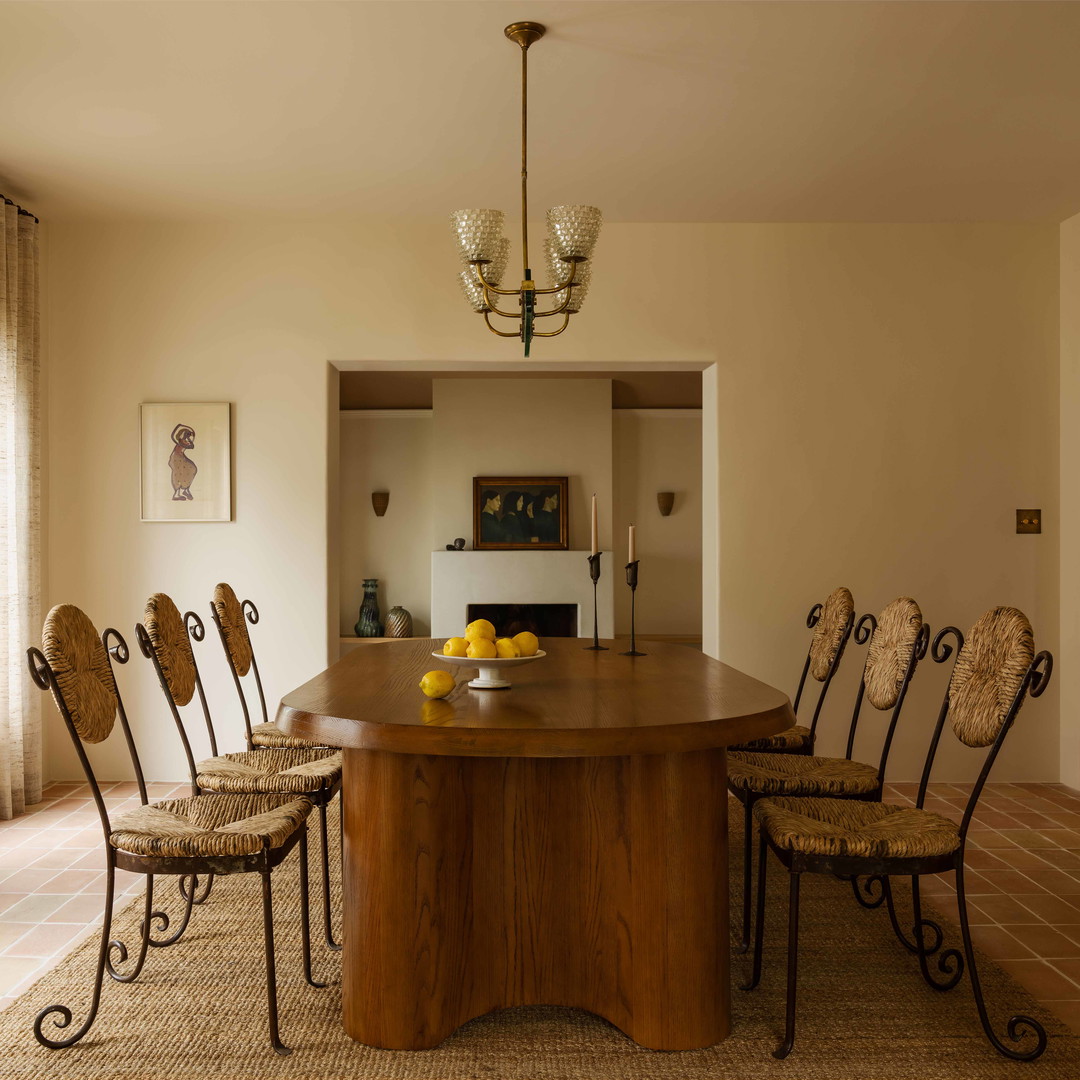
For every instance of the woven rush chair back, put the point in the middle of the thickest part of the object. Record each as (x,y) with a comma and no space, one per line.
(899,639)
(164,637)
(74,663)
(231,618)
(995,669)
(832,623)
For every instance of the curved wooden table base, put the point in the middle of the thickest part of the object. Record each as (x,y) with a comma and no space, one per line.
(486,874)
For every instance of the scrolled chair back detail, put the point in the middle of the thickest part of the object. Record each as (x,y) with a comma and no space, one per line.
(84,683)
(233,628)
(829,631)
(988,674)
(168,635)
(889,656)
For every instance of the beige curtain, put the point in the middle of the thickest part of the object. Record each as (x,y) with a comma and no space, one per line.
(20,456)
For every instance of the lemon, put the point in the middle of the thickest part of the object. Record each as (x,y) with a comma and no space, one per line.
(455,646)
(482,649)
(480,628)
(437,684)
(527,643)
(505,647)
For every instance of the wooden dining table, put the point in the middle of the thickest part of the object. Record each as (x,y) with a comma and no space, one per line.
(560,842)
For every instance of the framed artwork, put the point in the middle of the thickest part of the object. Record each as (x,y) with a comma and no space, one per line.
(186,461)
(515,513)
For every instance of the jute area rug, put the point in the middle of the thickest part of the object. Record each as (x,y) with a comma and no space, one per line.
(198,1010)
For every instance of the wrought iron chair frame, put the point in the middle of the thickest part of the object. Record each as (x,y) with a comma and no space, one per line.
(748,798)
(320,796)
(190,868)
(950,962)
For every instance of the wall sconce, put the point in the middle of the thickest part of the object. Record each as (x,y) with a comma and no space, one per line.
(379,502)
(665,500)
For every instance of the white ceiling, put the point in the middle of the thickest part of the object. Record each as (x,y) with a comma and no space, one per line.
(654,111)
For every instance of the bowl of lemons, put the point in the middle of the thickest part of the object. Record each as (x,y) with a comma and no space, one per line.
(481,648)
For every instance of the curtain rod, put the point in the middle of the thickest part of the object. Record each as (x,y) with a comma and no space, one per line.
(26,213)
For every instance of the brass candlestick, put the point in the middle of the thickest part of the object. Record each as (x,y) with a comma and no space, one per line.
(631,580)
(594,573)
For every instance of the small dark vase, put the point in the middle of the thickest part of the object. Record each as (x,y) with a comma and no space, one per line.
(368,624)
(398,623)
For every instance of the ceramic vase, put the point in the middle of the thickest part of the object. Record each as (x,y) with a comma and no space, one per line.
(368,624)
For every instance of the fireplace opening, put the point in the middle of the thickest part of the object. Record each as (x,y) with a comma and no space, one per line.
(544,620)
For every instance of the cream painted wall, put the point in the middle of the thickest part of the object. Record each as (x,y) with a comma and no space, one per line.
(886,396)
(521,427)
(386,452)
(659,450)
(1068,671)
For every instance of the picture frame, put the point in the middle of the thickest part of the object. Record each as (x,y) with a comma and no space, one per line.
(185,461)
(520,513)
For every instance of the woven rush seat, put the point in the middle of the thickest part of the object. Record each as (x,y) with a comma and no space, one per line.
(794,739)
(270,770)
(843,827)
(799,774)
(271,736)
(209,826)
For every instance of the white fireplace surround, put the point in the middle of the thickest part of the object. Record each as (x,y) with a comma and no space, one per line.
(460,578)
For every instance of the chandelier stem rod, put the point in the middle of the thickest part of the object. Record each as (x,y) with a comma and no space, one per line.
(524,158)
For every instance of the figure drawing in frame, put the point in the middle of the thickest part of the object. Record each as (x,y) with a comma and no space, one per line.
(518,513)
(182,468)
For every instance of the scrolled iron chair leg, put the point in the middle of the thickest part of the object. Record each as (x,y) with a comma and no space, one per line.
(144,933)
(918,926)
(863,888)
(950,962)
(785,1047)
(759,915)
(62,1011)
(188,893)
(305,912)
(271,971)
(748,858)
(197,897)
(328,930)
(1019,1026)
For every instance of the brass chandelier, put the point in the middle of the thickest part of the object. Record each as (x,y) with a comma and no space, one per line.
(572,234)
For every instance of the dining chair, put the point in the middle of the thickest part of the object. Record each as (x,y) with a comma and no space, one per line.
(898,640)
(832,623)
(231,618)
(314,772)
(995,669)
(204,834)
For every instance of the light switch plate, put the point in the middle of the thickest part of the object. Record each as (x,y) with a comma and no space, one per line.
(1029,521)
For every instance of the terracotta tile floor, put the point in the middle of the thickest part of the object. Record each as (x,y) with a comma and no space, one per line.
(1023,881)
(52,878)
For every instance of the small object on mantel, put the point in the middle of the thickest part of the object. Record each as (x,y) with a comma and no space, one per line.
(380,500)
(398,623)
(457,545)
(665,500)
(1029,521)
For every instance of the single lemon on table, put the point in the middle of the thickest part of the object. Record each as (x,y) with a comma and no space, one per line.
(505,647)
(455,646)
(481,649)
(437,684)
(479,628)
(527,643)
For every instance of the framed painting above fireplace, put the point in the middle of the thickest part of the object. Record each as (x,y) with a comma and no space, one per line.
(519,513)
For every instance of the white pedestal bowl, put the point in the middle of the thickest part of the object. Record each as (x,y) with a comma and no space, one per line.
(490,671)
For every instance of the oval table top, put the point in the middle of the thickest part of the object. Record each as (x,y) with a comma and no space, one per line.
(571,703)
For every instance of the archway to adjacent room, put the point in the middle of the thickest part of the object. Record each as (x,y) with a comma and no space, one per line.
(383,430)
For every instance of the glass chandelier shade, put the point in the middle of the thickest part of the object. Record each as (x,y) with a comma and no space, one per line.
(572,236)
(560,271)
